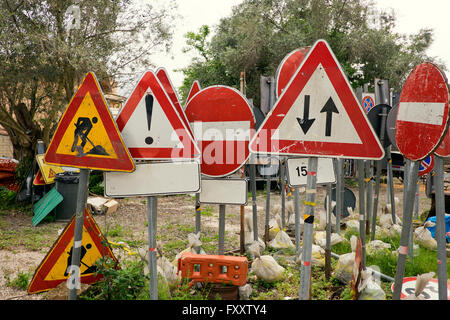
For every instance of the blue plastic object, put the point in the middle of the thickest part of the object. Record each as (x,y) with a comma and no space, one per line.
(447,227)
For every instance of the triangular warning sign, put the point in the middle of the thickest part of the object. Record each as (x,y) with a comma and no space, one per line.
(318,114)
(163,78)
(87,136)
(51,173)
(53,269)
(151,126)
(38,179)
(194,89)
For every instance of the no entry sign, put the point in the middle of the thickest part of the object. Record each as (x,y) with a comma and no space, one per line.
(287,68)
(223,123)
(422,112)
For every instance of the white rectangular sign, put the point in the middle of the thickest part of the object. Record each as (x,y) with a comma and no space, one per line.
(224,191)
(297,169)
(157,178)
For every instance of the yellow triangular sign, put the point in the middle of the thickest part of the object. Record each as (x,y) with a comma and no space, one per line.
(54,269)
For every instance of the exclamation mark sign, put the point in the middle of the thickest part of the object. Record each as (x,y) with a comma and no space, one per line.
(149,109)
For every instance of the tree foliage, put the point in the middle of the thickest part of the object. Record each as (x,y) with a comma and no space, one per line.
(48,46)
(260,33)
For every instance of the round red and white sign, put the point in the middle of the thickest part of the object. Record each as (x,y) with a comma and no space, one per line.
(223,124)
(430,292)
(422,113)
(443,150)
(288,67)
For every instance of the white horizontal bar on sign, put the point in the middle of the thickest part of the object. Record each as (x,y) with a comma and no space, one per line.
(150,179)
(421,112)
(221,130)
(224,191)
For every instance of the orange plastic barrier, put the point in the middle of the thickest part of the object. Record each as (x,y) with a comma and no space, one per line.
(213,268)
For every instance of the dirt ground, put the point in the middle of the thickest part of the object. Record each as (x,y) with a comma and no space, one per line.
(23,247)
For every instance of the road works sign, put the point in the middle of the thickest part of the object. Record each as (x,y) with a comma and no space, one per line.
(151,126)
(318,114)
(55,268)
(87,136)
(223,123)
(422,112)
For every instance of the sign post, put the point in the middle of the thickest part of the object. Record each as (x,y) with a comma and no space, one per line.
(316,115)
(421,123)
(328,235)
(154,127)
(223,123)
(310,203)
(441,152)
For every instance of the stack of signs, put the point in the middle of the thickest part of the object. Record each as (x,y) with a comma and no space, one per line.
(154,127)
(223,124)
(316,115)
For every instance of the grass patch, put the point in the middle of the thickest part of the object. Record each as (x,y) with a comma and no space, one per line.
(207,211)
(20,281)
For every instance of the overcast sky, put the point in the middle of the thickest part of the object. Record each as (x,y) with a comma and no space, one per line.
(412,15)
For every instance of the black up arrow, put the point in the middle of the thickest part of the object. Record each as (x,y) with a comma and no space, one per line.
(305,123)
(329,108)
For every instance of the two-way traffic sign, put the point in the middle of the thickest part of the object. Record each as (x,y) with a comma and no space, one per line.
(318,114)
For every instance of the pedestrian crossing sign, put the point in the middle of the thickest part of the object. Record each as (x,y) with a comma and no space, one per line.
(87,136)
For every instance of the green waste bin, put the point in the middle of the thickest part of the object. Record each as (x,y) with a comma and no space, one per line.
(66,184)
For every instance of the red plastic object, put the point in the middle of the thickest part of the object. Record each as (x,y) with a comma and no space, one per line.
(213,268)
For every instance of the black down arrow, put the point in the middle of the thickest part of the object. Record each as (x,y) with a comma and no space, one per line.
(305,123)
(329,108)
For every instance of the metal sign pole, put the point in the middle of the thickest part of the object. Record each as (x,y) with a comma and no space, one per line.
(283,194)
(339,195)
(391,183)
(152,207)
(74,279)
(266,226)
(410,185)
(362,226)
(440,227)
(221,249)
(369,192)
(416,200)
(328,235)
(198,215)
(411,233)
(253,187)
(377,177)
(297,220)
(310,203)
(242,214)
